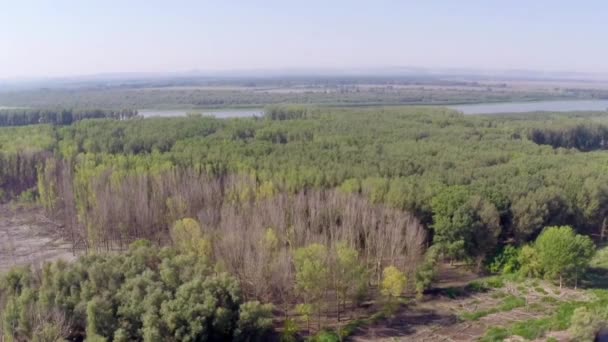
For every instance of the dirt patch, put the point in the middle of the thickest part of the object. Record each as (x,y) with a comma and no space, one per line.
(27,237)
(442,318)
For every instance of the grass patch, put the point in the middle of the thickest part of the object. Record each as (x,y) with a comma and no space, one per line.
(495,282)
(495,334)
(512,302)
(508,304)
(536,328)
(540,290)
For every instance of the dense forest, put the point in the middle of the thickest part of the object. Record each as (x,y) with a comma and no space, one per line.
(22,117)
(314,210)
(314,93)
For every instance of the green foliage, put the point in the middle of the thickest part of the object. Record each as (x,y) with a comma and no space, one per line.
(187,237)
(325,336)
(506,261)
(312,271)
(426,273)
(305,311)
(312,278)
(585,324)
(583,137)
(393,283)
(562,253)
(495,334)
(349,274)
(561,319)
(465,226)
(31,116)
(290,331)
(470,178)
(351,186)
(600,259)
(529,262)
(494,282)
(255,320)
(146,293)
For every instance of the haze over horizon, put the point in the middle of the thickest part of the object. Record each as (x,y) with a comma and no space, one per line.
(71,38)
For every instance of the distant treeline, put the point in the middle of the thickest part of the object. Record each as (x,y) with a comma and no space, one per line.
(26,116)
(337,95)
(584,137)
(287,112)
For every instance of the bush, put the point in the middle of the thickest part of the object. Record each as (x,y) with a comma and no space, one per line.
(585,324)
(506,261)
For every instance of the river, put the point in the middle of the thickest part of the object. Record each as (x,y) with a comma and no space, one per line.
(220,113)
(538,106)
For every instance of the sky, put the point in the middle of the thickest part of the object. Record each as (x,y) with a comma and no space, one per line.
(52,38)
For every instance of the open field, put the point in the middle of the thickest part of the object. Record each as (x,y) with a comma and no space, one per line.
(27,237)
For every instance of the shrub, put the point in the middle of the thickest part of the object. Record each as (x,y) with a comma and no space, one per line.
(506,261)
(585,324)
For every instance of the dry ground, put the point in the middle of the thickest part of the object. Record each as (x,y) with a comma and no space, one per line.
(28,238)
(442,316)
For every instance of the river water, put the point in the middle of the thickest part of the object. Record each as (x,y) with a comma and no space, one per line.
(478,108)
(538,106)
(221,114)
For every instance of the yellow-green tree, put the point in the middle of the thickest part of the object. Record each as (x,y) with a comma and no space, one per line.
(188,237)
(312,275)
(349,275)
(393,284)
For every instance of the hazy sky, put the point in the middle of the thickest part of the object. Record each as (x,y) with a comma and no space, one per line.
(65,37)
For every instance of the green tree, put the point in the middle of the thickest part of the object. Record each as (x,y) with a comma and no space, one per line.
(349,275)
(466,226)
(562,253)
(188,237)
(393,283)
(312,275)
(528,259)
(427,271)
(255,320)
(100,318)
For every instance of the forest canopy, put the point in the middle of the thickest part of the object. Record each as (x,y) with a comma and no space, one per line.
(290,203)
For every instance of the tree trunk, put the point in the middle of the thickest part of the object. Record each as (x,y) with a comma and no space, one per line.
(319,317)
(338,302)
(378,272)
(560,281)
